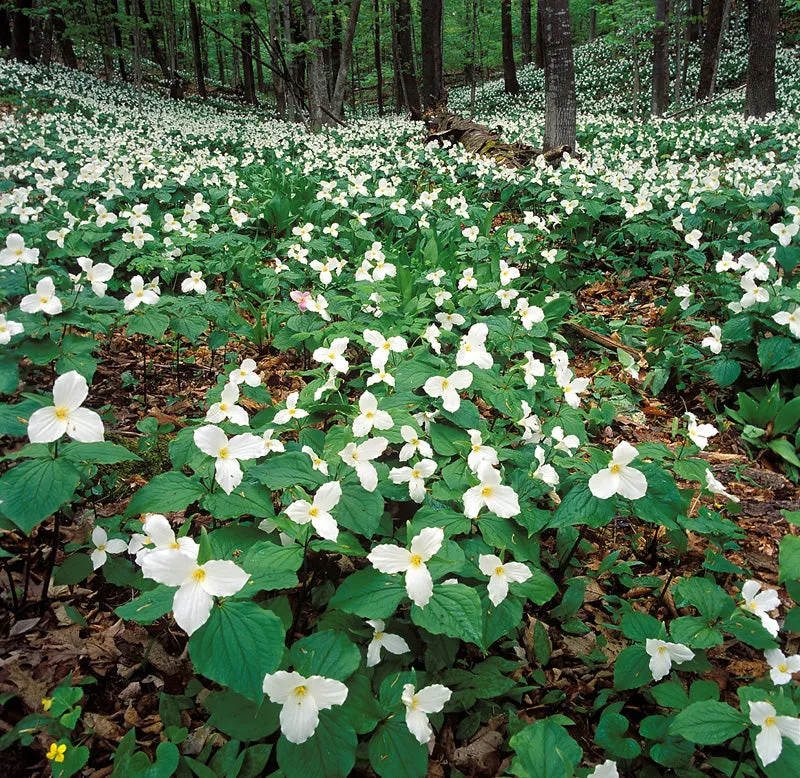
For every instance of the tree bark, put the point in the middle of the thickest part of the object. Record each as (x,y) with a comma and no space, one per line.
(5,28)
(509,67)
(199,75)
(660,59)
(376,35)
(538,49)
(559,75)
(711,46)
(760,97)
(155,46)
(433,93)
(316,89)
(592,25)
(405,58)
(694,30)
(678,47)
(21,32)
(275,59)
(64,41)
(525,31)
(337,104)
(249,81)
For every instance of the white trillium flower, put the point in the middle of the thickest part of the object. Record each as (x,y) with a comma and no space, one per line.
(571,386)
(448,388)
(271,445)
(685,295)
(291,411)
(317,463)
(533,369)
(415,477)
(769,742)
(413,444)
(8,329)
(699,434)
(44,299)
(226,408)
(394,644)
(15,252)
(753,293)
(419,705)
(333,355)
(383,347)
(140,294)
(302,699)
(213,441)
(500,575)
(792,319)
(358,457)
(565,443)
(194,283)
(96,275)
(544,472)
(449,320)
(760,603)
(606,770)
(472,350)
(199,584)
(391,559)
(782,667)
(370,416)
(478,453)
(717,487)
(528,314)
(158,535)
(489,493)
(65,414)
(663,654)
(619,477)
(104,546)
(318,512)
(713,341)
(245,373)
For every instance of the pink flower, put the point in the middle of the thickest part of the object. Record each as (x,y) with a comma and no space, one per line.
(301,298)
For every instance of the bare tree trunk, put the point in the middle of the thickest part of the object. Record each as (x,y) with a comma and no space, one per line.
(199,76)
(694,30)
(105,12)
(21,32)
(711,46)
(260,85)
(538,49)
(660,59)
(592,25)
(431,43)
(525,31)
(316,90)
(473,65)
(405,58)
(637,81)
(337,104)
(509,68)
(123,70)
(155,46)
(376,33)
(5,28)
(760,96)
(559,75)
(678,47)
(137,55)
(247,56)
(275,57)
(64,41)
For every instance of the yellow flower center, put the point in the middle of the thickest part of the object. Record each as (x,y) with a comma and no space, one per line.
(445,384)
(615,468)
(62,413)
(662,650)
(415,561)
(300,691)
(415,474)
(101,547)
(314,512)
(476,448)
(378,636)
(770,722)
(43,300)
(199,575)
(355,456)
(486,491)
(386,346)
(174,544)
(414,703)
(332,355)
(498,570)
(223,453)
(223,406)
(467,347)
(369,414)
(783,668)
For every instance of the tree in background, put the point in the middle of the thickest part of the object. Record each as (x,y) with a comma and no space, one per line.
(559,74)
(525,31)
(509,67)
(404,59)
(712,42)
(763,20)
(660,58)
(433,92)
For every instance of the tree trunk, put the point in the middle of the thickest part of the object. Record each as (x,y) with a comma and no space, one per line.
(64,41)
(711,46)
(123,70)
(333,52)
(105,12)
(525,31)
(5,29)
(473,65)
(660,59)
(337,104)
(155,46)
(559,75)
(249,81)
(538,49)
(316,90)
(694,30)
(405,58)
(433,93)
(260,85)
(21,33)
(509,68)
(760,96)
(678,48)
(199,76)
(592,25)
(376,33)
(275,59)
(137,55)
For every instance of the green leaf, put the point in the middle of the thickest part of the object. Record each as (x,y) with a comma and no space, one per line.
(73,570)
(75,757)
(272,566)
(329,753)
(749,630)
(725,372)
(670,694)
(784,449)
(539,588)
(710,599)
(580,506)
(632,668)
(778,353)
(101,453)
(610,735)
(147,322)
(395,753)
(369,594)
(244,500)
(500,619)
(36,489)
(448,440)
(148,606)
(708,723)
(241,718)
(282,471)
(325,653)
(238,645)
(695,632)
(544,750)
(166,493)
(454,610)
(640,626)
(359,510)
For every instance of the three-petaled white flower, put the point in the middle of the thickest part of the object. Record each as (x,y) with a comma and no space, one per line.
(769,742)
(333,355)
(699,434)
(291,411)
(213,441)
(489,493)
(572,387)
(791,319)
(227,408)
(413,444)
(15,252)
(782,667)
(359,456)
(65,414)
(415,477)
(199,584)
(245,373)
(8,329)
(500,575)
(194,283)
(713,341)
(448,388)
(383,347)
(619,477)
(370,416)
(391,559)
(302,699)
(104,546)
(394,644)
(717,487)
(478,453)
(663,654)
(44,299)
(317,462)
(139,294)
(760,603)
(318,511)
(158,535)
(472,351)
(606,770)
(96,275)
(419,705)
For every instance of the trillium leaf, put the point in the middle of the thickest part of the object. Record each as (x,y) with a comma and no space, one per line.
(101,453)
(631,668)
(369,594)
(454,610)
(148,606)
(326,653)
(240,717)
(708,723)
(359,510)
(329,753)
(395,753)
(580,506)
(544,750)
(165,493)
(238,645)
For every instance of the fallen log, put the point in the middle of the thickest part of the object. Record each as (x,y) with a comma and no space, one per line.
(479,139)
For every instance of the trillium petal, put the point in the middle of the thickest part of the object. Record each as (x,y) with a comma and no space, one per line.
(247,446)
(789,727)
(70,390)
(488,563)
(223,578)
(418,726)
(327,692)
(750,589)
(390,559)
(325,525)
(168,566)
(660,664)
(85,426)
(299,718)
(760,712)
(228,474)
(98,558)
(461,379)
(400,475)
(632,483)
(624,453)
(191,606)
(278,686)
(473,502)
(367,475)
(679,653)
(373,448)
(432,699)
(299,511)
(769,744)
(433,387)
(45,427)
(394,644)
(116,546)
(419,585)
(373,652)
(603,484)
(428,542)
(159,530)
(498,588)
(503,502)
(210,440)
(328,495)
(516,572)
